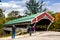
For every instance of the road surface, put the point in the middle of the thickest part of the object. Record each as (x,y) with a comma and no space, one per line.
(44,35)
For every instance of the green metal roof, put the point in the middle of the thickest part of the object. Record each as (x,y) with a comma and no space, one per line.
(24,19)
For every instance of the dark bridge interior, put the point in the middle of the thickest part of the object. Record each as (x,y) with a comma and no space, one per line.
(42,24)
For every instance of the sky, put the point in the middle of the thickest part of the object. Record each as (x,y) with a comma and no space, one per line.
(19,5)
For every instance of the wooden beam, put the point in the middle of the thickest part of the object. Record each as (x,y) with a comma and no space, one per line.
(23,24)
(49,26)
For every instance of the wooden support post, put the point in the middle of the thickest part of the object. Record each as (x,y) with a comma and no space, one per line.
(49,26)
(34,27)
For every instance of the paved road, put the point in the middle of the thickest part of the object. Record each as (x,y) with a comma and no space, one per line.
(46,35)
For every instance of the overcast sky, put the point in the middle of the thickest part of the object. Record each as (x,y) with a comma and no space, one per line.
(9,5)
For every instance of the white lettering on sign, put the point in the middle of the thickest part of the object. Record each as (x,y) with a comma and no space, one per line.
(45,17)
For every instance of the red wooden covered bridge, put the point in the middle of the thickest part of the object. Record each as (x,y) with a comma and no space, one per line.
(36,19)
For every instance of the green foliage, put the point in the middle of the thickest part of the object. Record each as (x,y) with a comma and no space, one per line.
(35,7)
(51,13)
(55,26)
(2,18)
(52,27)
(1,13)
(42,26)
(11,18)
(13,14)
(1,23)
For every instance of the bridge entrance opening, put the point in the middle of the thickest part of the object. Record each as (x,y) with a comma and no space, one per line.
(42,25)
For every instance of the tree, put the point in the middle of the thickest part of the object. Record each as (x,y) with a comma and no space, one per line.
(57,16)
(56,24)
(27,13)
(52,13)
(35,7)
(13,14)
(1,13)
(2,18)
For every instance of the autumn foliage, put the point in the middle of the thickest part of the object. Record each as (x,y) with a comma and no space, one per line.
(57,16)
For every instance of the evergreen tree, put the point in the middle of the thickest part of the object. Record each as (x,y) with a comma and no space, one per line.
(34,6)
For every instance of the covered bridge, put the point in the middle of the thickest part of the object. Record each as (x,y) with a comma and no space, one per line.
(36,19)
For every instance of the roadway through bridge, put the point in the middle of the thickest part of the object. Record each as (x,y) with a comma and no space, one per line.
(42,35)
